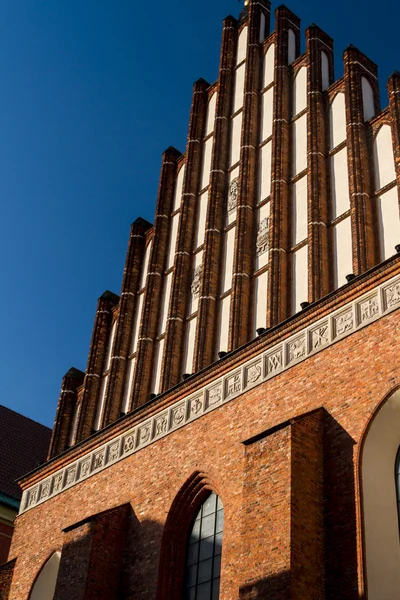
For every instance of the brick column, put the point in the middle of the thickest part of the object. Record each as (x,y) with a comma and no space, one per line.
(356,65)
(65,411)
(94,370)
(212,257)
(394,105)
(153,293)
(91,557)
(182,267)
(244,253)
(126,315)
(317,182)
(278,288)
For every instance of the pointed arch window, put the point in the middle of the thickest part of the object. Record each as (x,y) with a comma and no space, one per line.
(203,552)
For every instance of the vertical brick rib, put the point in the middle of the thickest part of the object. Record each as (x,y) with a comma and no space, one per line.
(240,312)
(153,295)
(318,251)
(181,276)
(127,307)
(207,311)
(94,369)
(394,105)
(65,411)
(278,288)
(355,66)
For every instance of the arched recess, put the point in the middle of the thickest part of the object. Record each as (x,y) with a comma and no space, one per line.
(45,584)
(173,546)
(380,513)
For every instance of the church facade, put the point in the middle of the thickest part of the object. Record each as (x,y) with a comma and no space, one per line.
(236,432)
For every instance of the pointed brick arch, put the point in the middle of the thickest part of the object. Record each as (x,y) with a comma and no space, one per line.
(173,547)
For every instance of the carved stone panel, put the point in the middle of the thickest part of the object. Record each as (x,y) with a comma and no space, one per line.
(45,489)
(161,424)
(367,309)
(233,194)
(71,475)
(113,451)
(128,443)
(274,362)
(344,322)
(84,468)
(195,406)
(58,483)
(196,281)
(319,336)
(214,395)
(262,242)
(392,295)
(233,385)
(253,373)
(178,415)
(296,349)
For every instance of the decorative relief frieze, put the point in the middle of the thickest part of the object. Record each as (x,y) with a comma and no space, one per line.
(315,338)
(262,241)
(233,194)
(196,281)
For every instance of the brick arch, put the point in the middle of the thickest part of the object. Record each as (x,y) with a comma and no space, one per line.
(173,545)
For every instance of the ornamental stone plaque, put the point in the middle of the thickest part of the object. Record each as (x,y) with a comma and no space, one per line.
(196,281)
(233,194)
(262,242)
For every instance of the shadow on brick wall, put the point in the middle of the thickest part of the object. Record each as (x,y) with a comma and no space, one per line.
(6,574)
(275,587)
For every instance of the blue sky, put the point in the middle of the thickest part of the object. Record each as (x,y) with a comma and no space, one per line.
(92,92)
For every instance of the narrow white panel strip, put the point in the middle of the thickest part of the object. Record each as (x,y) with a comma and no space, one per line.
(262,27)
(300,91)
(223,331)
(265,171)
(74,425)
(235,139)
(267,100)
(189,346)
(324,70)
(300,278)
(201,221)
(343,254)
(337,120)
(368,99)
(239,86)
(128,387)
(291,46)
(137,320)
(229,247)
(155,388)
(145,266)
(211,114)
(262,239)
(242,46)
(207,153)
(300,144)
(260,297)
(340,184)
(110,345)
(194,292)
(383,156)
(101,402)
(178,189)
(165,303)
(389,222)
(269,64)
(172,241)
(299,220)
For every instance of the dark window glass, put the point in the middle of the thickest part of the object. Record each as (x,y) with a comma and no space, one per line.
(203,553)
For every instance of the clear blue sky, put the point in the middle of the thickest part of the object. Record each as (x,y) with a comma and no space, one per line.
(92,92)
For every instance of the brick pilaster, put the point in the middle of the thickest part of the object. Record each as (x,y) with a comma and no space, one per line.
(65,411)
(182,267)
(211,275)
(318,250)
(153,294)
(278,288)
(127,307)
(94,370)
(244,253)
(394,106)
(357,65)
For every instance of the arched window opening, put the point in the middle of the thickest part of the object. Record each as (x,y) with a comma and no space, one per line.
(203,552)
(45,585)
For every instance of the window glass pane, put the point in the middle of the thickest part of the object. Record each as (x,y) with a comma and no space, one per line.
(191,575)
(206,548)
(209,505)
(215,590)
(220,521)
(205,570)
(193,554)
(217,566)
(218,543)
(204,591)
(207,526)
(195,535)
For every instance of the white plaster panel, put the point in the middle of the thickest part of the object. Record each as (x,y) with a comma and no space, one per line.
(389,222)
(136,322)
(262,27)
(343,253)
(267,101)
(337,120)
(300,278)
(45,585)
(300,220)
(265,171)
(223,331)
(165,303)
(74,425)
(172,241)
(193,303)
(262,257)
(340,183)
(101,402)
(179,188)
(260,297)
(155,388)
(110,345)
(269,65)
(205,172)
(235,138)
(239,87)
(128,387)
(242,46)
(231,215)
(145,266)
(300,91)
(229,247)
(201,221)
(324,70)
(189,346)
(382,549)
(291,46)
(383,156)
(211,114)
(300,145)
(368,99)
